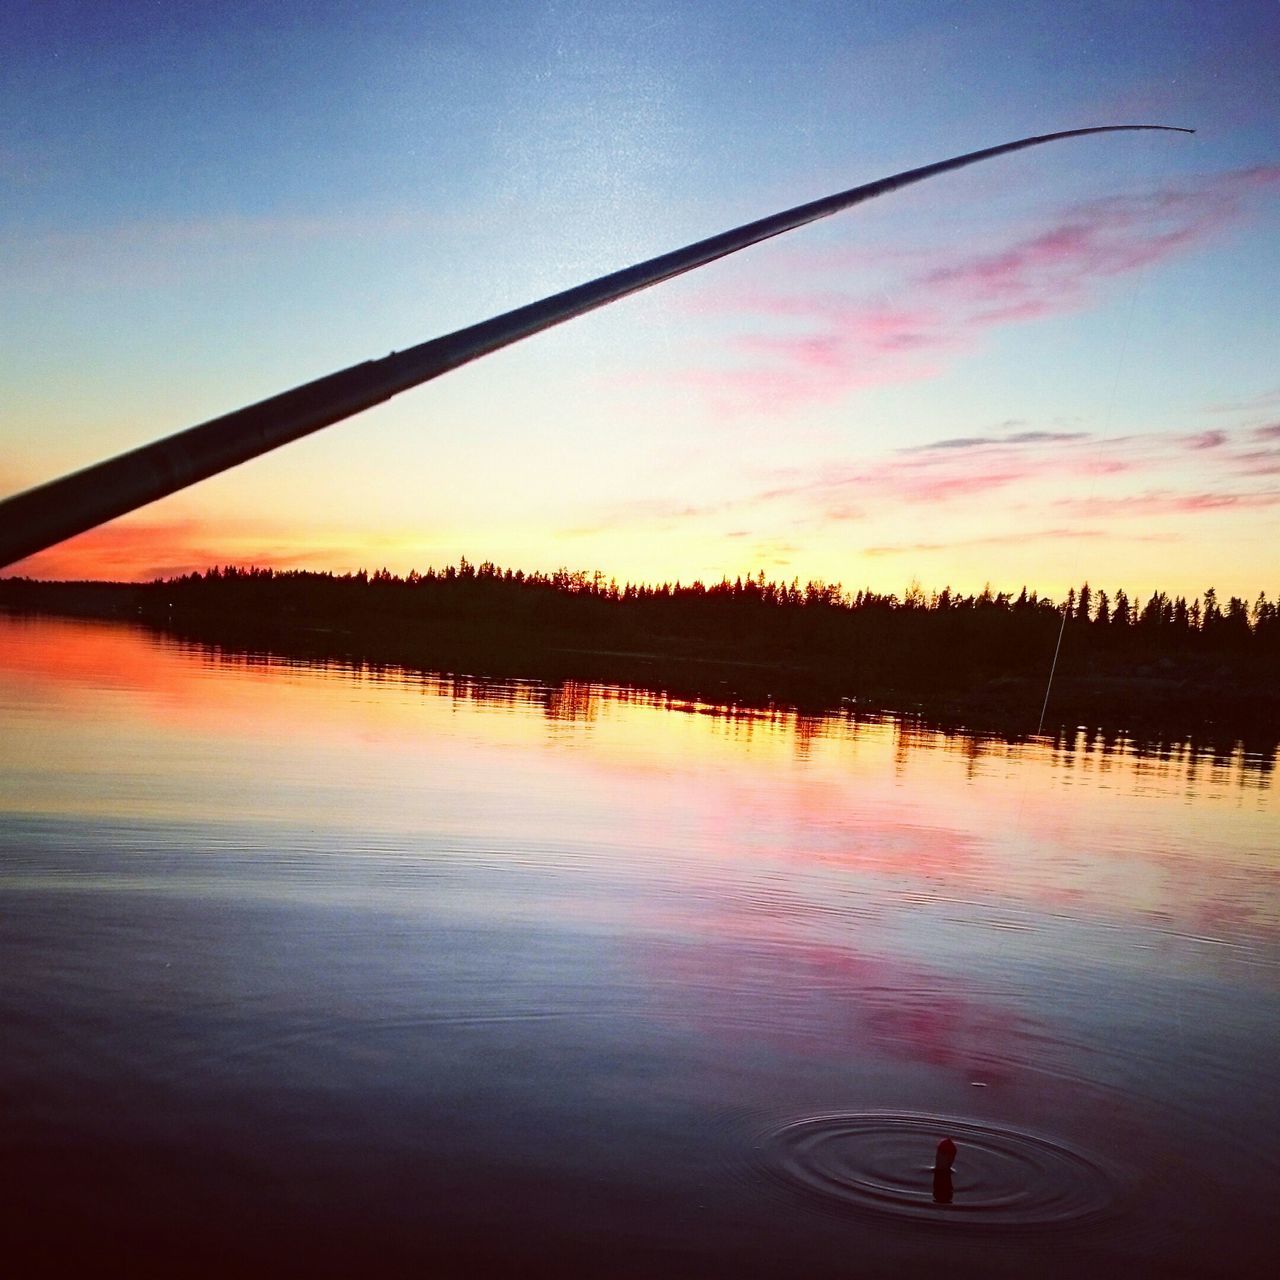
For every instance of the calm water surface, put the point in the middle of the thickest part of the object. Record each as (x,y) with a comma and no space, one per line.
(318,969)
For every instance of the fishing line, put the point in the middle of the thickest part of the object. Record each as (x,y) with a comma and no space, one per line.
(1057,649)
(1017,826)
(1106,424)
(1107,416)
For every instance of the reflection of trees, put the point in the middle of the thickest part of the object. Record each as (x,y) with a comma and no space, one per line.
(571,700)
(1177,661)
(804,729)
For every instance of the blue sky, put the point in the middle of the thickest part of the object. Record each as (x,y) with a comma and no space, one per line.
(207,204)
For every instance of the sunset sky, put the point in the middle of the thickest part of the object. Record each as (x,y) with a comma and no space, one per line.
(1057,366)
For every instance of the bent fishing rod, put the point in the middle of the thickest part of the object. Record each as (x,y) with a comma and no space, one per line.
(49,513)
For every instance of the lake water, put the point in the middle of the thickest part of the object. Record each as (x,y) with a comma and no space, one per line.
(347,971)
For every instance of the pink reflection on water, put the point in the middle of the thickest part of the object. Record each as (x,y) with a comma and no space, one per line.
(1169,843)
(825,1002)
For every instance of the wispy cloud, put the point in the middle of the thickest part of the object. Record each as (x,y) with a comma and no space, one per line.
(958,467)
(1163,502)
(1022,469)
(1041,461)
(1057,268)
(1260,462)
(1205,440)
(843,342)
(978,442)
(1032,486)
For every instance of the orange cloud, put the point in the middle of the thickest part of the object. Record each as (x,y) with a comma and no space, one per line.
(140,550)
(125,550)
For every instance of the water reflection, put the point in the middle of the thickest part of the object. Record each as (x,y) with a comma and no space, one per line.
(520,966)
(912,807)
(98,653)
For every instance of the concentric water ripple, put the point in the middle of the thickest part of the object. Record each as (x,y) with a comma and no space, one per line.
(882,1162)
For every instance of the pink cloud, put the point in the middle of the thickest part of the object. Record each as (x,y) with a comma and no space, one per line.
(796,376)
(1053,269)
(1259,462)
(1105,466)
(951,468)
(1027,470)
(1033,462)
(1205,440)
(846,343)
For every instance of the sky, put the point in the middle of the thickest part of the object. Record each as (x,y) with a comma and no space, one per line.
(1054,367)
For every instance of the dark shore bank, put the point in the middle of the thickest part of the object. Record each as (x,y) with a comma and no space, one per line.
(982,663)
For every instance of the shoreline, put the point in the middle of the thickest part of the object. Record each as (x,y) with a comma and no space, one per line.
(1149,701)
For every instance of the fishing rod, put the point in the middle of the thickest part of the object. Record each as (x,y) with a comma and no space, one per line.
(49,513)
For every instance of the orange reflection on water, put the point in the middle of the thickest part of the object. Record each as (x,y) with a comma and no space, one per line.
(112,721)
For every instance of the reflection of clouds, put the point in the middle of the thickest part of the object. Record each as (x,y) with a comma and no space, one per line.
(890,849)
(1238,910)
(1170,836)
(800,997)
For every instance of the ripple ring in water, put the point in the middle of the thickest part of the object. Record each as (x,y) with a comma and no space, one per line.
(882,1162)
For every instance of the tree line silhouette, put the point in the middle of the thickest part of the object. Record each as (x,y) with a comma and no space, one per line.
(1190,659)
(751,613)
